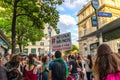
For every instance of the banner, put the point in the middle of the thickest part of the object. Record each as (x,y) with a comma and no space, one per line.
(61,42)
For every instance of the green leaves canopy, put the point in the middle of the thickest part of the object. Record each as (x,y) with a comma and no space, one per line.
(31,17)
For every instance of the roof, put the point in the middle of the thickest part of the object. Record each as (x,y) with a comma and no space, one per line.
(108,27)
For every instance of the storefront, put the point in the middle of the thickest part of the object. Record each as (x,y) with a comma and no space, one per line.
(110,35)
(4,43)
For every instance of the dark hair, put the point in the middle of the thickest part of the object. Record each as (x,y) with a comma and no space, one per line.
(44,59)
(57,54)
(90,59)
(72,57)
(31,60)
(69,57)
(6,54)
(14,62)
(106,61)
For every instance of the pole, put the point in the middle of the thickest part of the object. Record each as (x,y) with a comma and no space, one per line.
(49,32)
(95,4)
(99,36)
(49,43)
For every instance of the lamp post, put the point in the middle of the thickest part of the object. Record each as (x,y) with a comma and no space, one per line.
(49,33)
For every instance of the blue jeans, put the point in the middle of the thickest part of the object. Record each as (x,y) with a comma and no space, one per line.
(75,75)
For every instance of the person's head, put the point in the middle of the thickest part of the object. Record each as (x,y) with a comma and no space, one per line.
(104,49)
(89,57)
(7,56)
(72,57)
(69,56)
(58,54)
(31,58)
(106,60)
(14,61)
(44,59)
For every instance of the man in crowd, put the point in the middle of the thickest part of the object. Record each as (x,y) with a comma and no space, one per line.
(58,69)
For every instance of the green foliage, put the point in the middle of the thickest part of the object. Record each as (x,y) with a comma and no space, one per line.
(31,17)
(74,48)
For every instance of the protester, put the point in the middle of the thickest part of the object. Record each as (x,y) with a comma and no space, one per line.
(58,69)
(107,64)
(44,70)
(31,69)
(13,66)
(6,57)
(73,67)
(3,70)
(88,67)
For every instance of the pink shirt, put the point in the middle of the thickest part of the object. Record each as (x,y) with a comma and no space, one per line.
(115,76)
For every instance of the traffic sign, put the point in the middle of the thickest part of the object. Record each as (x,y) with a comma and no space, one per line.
(95,4)
(104,14)
(94,21)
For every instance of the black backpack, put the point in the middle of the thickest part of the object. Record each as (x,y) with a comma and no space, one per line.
(59,70)
(13,75)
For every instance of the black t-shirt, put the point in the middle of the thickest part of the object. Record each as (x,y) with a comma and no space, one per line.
(74,66)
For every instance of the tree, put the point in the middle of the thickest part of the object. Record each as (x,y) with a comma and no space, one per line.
(26,33)
(39,13)
(74,49)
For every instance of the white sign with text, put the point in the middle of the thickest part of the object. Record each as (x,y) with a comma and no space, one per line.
(61,42)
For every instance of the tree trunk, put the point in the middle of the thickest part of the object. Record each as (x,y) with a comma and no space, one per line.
(13,29)
(20,43)
(20,47)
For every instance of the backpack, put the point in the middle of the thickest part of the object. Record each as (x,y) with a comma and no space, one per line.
(59,70)
(115,76)
(13,74)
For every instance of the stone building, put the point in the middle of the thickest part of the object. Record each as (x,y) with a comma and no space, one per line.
(41,47)
(108,26)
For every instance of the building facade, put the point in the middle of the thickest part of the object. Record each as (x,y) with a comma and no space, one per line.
(41,47)
(88,45)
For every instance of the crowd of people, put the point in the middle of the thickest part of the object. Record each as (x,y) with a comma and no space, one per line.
(104,66)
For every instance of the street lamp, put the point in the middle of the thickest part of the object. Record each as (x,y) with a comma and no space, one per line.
(49,33)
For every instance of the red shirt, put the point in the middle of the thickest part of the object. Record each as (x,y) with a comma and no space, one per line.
(29,75)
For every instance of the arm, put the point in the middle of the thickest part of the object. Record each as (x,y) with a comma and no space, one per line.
(39,62)
(96,77)
(70,68)
(50,75)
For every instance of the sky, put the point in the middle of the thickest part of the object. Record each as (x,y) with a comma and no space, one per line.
(68,17)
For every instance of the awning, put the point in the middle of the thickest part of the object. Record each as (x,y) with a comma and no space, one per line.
(4,38)
(108,27)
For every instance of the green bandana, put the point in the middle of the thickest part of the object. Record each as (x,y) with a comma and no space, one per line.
(61,60)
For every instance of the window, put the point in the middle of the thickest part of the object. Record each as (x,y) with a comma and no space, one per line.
(33,50)
(84,29)
(25,50)
(41,43)
(41,51)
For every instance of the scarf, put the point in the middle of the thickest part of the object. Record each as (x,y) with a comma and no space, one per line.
(61,60)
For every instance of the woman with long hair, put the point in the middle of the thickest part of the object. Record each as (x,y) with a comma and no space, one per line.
(3,70)
(107,64)
(88,67)
(44,69)
(31,68)
(13,66)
